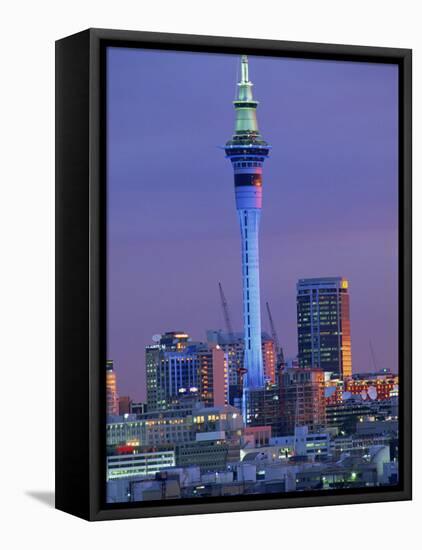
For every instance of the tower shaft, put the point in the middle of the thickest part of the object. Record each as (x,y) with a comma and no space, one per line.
(249,227)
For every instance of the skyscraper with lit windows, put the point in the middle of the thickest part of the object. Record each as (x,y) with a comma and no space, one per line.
(111,389)
(323,324)
(179,370)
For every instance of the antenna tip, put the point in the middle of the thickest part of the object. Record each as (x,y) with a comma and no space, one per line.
(245,69)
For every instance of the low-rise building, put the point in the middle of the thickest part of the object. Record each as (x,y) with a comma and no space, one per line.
(357,445)
(373,385)
(139,463)
(256,436)
(312,446)
(151,429)
(207,454)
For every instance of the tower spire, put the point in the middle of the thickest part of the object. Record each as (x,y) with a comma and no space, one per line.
(244,87)
(245,69)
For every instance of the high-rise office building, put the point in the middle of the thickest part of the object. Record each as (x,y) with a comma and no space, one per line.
(176,367)
(323,324)
(155,391)
(247,151)
(172,367)
(111,390)
(213,376)
(233,346)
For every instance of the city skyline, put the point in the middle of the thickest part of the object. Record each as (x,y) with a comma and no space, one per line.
(166,255)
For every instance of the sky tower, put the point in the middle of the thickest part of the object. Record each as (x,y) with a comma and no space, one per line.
(247,152)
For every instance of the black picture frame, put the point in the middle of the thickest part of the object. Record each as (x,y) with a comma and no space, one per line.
(81,271)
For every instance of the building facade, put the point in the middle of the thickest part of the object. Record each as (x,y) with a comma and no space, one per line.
(176,366)
(213,376)
(111,390)
(323,323)
(151,429)
(226,422)
(208,455)
(139,463)
(171,366)
(269,358)
(376,385)
(302,400)
(233,346)
(262,408)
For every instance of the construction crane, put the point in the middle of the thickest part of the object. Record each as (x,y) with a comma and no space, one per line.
(240,370)
(278,348)
(374,362)
(226,313)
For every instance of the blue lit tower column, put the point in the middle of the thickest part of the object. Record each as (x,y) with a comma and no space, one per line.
(247,152)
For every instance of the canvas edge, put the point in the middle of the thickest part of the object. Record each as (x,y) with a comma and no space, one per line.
(92,508)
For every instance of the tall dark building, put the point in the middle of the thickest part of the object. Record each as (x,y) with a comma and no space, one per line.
(263,408)
(323,325)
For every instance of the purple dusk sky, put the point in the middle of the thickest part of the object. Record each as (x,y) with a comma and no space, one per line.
(330,197)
